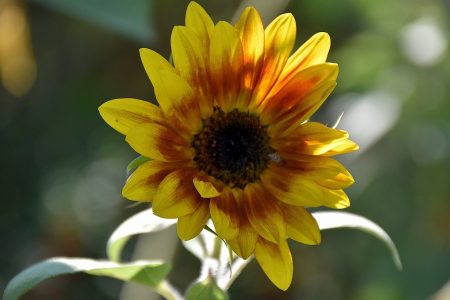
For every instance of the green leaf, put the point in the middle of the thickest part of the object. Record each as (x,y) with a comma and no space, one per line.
(143,222)
(206,290)
(150,273)
(129,19)
(331,220)
(136,163)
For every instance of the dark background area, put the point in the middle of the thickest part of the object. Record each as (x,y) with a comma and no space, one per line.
(62,168)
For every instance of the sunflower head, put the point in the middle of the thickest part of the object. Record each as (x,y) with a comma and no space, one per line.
(230,140)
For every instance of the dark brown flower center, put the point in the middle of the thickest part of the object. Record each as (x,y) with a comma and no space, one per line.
(232,147)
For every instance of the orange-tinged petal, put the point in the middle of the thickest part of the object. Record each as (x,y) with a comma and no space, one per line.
(251,31)
(314,51)
(345,147)
(312,138)
(245,241)
(143,182)
(170,88)
(279,41)
(205,189)
(176,195)
(225,215)
(225,61)
(300,225)
(124,114)
(191,225)
(291,187)
(198,20)
(276,262)
(263,213)
(326,171)
(302,111)
(159,142)
(293,103)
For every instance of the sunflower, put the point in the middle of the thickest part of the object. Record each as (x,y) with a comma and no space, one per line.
(230,140)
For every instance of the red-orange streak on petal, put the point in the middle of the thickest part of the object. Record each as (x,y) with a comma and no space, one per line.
(244,242)
(251,31)
(263,213)
(176,195)
(326,171)
(225,65)
(159,142)
(185,119)
(279,41)
(225,215)
(292,96)
(144,181)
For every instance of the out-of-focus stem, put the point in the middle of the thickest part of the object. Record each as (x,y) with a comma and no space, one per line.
(236,268)
(158,245)
(166,290)
(217,248)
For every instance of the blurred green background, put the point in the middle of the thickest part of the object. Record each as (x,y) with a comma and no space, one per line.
(62,167)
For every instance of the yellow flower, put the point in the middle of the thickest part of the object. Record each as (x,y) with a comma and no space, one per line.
(230,139)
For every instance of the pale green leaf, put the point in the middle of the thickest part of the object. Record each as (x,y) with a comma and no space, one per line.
(334,219)
(136,163)
(150,273)
(206,290)
(143,222)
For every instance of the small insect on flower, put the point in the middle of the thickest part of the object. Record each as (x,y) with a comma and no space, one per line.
(230,139)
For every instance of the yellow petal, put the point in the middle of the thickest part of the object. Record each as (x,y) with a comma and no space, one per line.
(176,195)
(189,53)
(319,139)
(326,171)
(314,138)
(314,51)
(301,112)
(245,241)
(276,262)
(205,189)
(170,88)
(335,198)
(191,225)
(198,20)
(298,98)
(295,190)
(225,61)
(143,182)
(299,190)
(225,215)
(124,114)
(251,31)
(263,213)
(345,147)
(279,41)
(158,142)
(300,225)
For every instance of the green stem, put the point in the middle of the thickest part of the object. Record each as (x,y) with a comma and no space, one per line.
(166,290)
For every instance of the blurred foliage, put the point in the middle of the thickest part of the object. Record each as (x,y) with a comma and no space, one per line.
(62,168)
(133,21)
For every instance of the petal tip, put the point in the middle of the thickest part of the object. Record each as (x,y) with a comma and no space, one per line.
(205,189)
